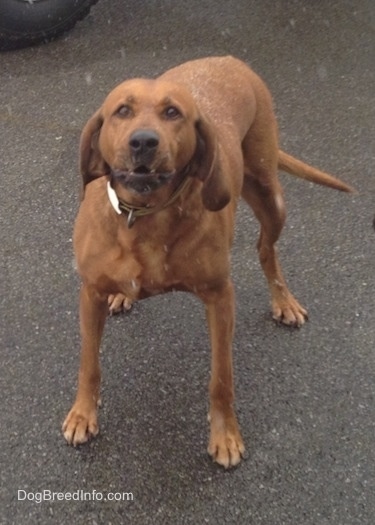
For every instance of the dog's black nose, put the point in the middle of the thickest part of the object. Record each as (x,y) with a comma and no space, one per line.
(143,144)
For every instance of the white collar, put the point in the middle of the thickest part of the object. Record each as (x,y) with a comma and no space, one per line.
(113,199)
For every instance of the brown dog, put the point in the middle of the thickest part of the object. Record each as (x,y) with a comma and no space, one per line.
(164,163)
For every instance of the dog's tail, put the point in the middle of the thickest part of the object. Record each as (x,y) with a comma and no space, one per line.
(304,171)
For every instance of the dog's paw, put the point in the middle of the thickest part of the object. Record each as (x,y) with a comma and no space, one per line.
(225,445)
(287,310)
(118,303)
(80,425)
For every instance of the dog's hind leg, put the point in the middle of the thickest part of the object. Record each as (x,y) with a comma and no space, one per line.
(263,192)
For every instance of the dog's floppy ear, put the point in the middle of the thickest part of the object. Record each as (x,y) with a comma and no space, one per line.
(215,191)
(91,162)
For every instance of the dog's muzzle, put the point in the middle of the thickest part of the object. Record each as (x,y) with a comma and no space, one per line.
(142,181)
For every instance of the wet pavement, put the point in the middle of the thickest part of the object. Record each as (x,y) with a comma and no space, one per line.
(305,398)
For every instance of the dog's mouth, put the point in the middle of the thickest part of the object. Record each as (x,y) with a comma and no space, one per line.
(142,180)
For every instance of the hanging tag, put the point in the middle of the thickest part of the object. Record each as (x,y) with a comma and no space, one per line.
(131,218)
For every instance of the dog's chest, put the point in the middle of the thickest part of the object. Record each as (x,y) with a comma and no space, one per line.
(164,267)
(154,256)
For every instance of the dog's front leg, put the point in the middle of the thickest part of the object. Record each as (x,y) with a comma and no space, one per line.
(81,422)
(225,443)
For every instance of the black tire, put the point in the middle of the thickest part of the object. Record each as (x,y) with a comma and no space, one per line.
(28,22)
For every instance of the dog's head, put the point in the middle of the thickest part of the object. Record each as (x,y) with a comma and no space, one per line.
(146,134)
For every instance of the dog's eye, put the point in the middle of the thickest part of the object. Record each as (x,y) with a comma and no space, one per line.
(124,111)
(172,113)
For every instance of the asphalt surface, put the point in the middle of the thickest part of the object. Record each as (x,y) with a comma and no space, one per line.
(305,398)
